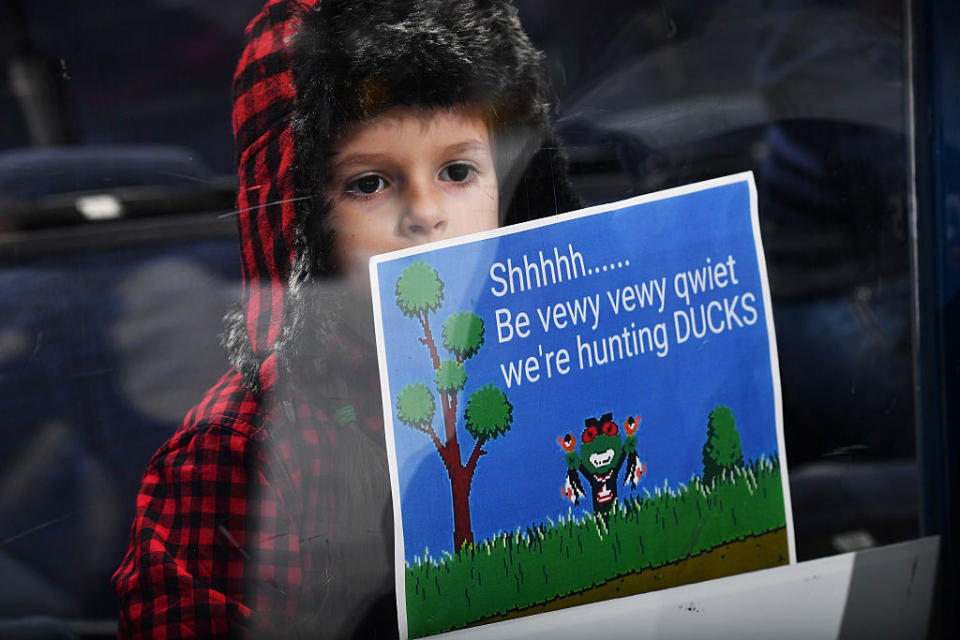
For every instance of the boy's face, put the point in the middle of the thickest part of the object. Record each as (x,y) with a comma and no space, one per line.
(407,177)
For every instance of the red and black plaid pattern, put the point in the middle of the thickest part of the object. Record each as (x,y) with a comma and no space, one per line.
(263,90)
(184,573)
(214,549)
(237,531)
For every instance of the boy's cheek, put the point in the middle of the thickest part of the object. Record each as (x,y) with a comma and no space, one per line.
(363,237)
(353,248)
(361,234)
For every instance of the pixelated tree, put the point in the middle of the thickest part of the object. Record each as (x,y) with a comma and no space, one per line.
(488,413)
(722,448)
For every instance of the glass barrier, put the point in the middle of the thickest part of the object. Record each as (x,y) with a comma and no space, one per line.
(121,209)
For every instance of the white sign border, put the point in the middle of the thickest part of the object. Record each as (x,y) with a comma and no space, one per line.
(388,427)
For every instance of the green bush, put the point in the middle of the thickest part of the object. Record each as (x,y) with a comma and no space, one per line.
(721,451)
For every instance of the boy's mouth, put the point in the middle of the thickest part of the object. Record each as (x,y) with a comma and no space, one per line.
(601,458)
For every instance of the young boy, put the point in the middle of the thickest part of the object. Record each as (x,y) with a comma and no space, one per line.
(361,127)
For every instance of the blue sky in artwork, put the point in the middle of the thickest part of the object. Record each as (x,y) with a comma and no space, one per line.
(518,482)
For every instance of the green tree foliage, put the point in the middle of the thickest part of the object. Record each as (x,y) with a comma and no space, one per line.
(416,406)
(463,334)
(419,290)
(419,293)
(450,377)
(489,414)
(722,448)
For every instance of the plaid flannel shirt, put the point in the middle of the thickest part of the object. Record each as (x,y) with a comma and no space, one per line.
(238,532)
(260,515)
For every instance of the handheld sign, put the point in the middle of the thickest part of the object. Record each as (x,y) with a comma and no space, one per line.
(582,408)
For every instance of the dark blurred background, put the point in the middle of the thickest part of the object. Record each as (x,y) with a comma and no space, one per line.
(118,255)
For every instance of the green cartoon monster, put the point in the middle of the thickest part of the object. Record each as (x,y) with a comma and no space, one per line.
(602,453)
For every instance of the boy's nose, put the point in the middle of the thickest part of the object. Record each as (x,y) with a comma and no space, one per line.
(424,218)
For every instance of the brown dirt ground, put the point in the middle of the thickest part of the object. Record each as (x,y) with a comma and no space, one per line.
(750,554)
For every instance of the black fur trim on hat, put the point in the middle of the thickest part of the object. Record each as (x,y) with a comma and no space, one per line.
(354,59)
(357,58)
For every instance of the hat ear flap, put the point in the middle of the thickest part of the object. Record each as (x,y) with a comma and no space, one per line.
(533,176)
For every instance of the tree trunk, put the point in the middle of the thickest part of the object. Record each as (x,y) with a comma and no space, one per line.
(428,340)
(448,403)
(460,481)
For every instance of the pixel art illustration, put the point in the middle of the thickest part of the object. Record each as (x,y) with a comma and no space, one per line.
(582,408)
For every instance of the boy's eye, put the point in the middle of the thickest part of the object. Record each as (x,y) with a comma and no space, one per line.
(366,185)
(459,172)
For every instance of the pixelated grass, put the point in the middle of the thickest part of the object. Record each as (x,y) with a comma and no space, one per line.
(513,571)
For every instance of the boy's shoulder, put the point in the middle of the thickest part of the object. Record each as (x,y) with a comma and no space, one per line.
(227,404)
(227,408)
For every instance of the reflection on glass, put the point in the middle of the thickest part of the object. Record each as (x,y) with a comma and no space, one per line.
(109,331)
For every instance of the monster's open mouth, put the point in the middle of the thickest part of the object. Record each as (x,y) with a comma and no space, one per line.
(602,458)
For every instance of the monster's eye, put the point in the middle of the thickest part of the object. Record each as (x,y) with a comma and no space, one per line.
(589,434)
(610,428)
